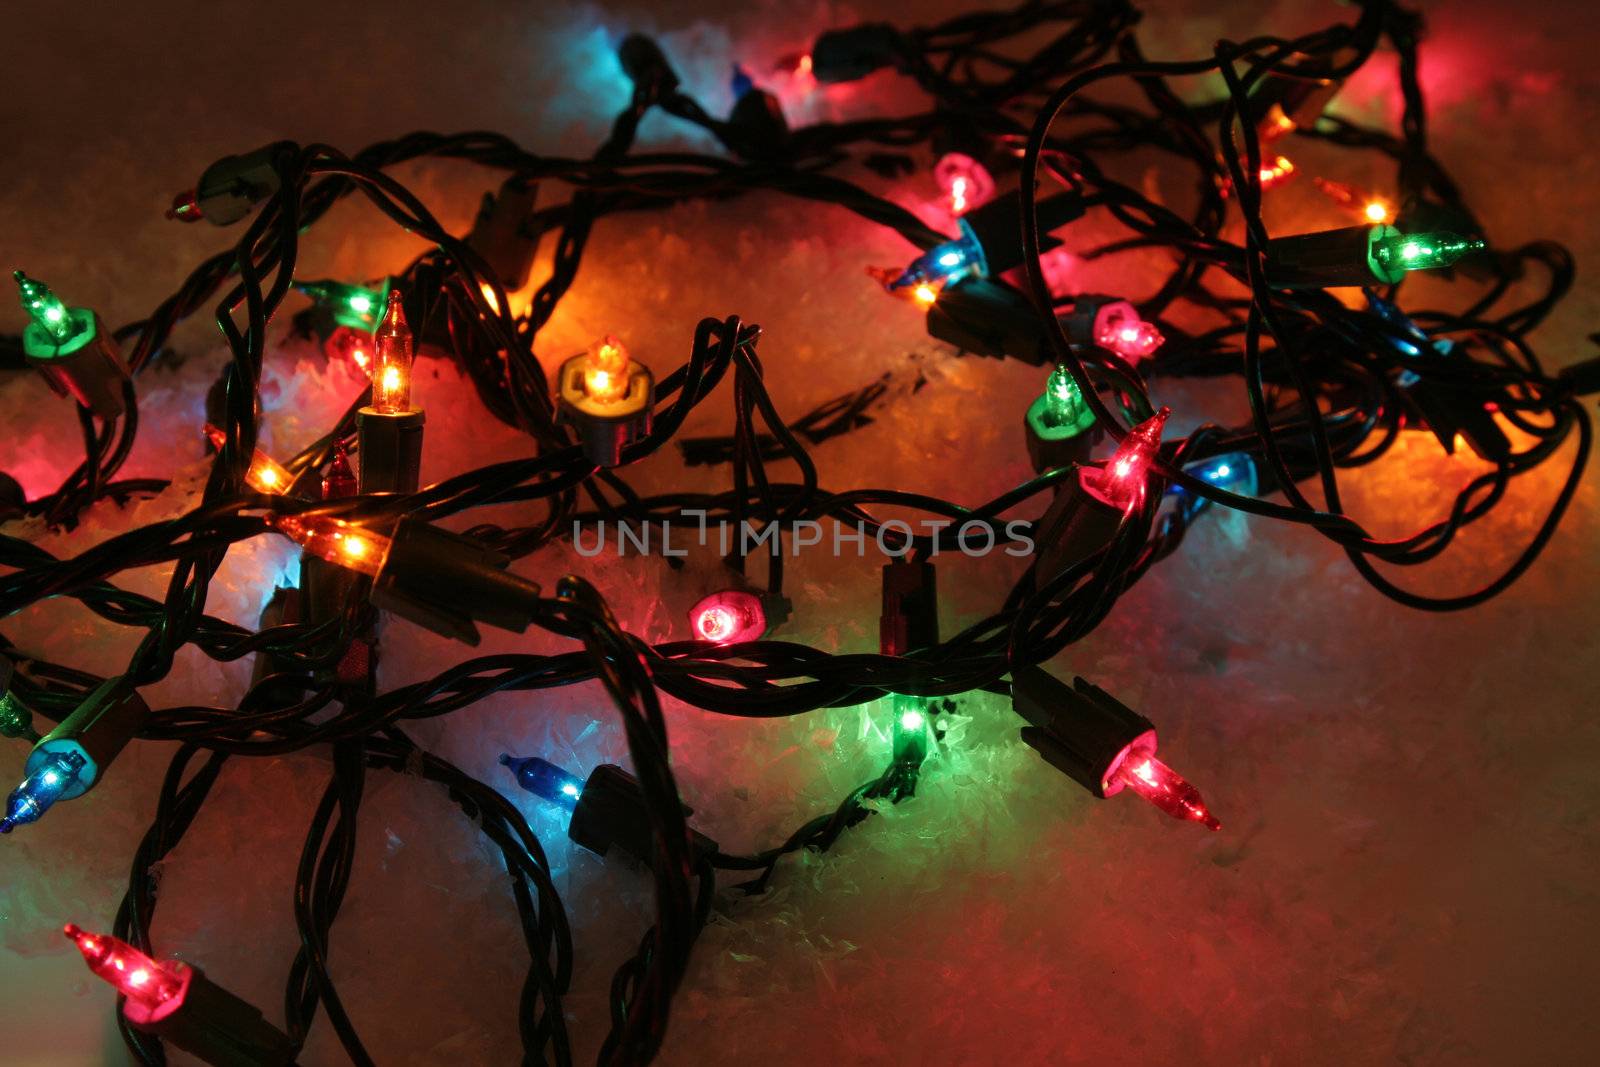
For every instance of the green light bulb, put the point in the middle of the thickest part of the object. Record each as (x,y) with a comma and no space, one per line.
(49,314)
(1421,251)
(910,730)
(1062,409)
(355,306)
(16,720)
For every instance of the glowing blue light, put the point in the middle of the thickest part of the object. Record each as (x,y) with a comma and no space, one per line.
(545,780)
(947,263)
(1235,472)
(30,800)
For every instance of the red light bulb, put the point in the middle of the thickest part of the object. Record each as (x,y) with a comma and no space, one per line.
(1119,328)
(965,182)
(1121,483)
(340,480)
(729,617)
(1164,787)
(154,990)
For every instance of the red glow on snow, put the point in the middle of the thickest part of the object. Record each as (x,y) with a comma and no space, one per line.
(729,617)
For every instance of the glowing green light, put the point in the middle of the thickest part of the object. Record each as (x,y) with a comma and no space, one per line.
(1060,412)
(48,313)
(1398,252)
(355,306)
(16,720)
(912,720)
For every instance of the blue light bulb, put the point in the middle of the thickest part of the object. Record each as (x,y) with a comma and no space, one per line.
(947,263)
(1234,471)
(544,779)
(42,788)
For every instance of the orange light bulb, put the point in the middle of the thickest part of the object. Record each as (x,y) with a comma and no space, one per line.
(392,359)
(335,540)
(265,475)
(605,370)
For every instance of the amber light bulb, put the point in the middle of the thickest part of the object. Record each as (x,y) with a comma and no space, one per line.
(393,354)
(605,370)
(335,540)
(265,475)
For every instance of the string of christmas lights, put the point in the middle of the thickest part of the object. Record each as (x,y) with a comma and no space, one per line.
(1333,369)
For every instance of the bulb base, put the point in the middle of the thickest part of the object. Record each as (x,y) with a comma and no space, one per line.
(98,731)
(611,811)
(212,1024)
(606,426)
(86,367)
(389,450)
(231,187)
(1080,730)
(1052,445)
(1077,525)
(1329,259)
(501,234)
(444,581)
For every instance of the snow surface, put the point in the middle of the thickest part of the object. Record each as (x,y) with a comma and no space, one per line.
(1408,867)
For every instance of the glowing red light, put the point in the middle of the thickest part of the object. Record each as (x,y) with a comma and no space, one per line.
(1122,483)
(1146,775)
(351,345)
(729,617)
(716,624)
(966,183)
(1119,328)
(154,990)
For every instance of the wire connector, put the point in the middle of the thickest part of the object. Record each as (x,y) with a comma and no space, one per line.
(444,582)
(849,54)
(611,811)
(231,187)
